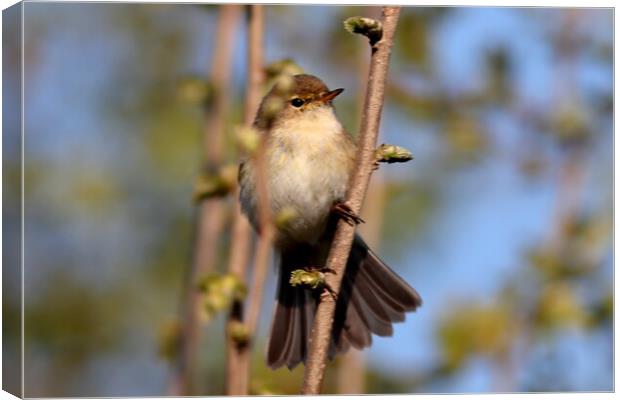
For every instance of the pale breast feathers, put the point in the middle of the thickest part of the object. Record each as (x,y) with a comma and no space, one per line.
(308,167)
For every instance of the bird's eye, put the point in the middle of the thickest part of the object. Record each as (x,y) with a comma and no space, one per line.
(297,102)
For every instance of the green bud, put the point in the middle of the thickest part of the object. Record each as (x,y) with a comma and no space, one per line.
(284,84)
(390,153)
(239,333)
(273,106)
(371,28)
(285,216)
(248,139)
(215,185)
(311,278)
(219,292)
(193,89)
(283,67)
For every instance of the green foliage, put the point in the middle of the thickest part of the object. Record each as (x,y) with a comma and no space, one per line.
(570,126)
(558,306)
(465,138)
(579,255)
(553,265)
(499,71)
(601,312)
(418,201)
(286,66)
(412,38)
(193,90)
(425,107)
(72,330)
(473,329)
(170,340)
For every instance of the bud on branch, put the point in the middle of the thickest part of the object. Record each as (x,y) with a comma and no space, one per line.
(389,153)
(371,28)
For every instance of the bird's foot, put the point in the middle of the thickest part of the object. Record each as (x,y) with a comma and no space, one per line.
(345,212)
(328,291)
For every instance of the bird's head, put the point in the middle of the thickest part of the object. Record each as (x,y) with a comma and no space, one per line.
(300,96)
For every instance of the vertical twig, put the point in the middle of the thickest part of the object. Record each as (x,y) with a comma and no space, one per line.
(343,238)
(210,222)
(237,356)
(238,353)
(267,230)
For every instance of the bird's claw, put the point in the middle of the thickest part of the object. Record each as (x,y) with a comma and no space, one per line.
(328,291)
(346,213)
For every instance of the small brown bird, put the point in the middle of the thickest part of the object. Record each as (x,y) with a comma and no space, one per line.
(309,157)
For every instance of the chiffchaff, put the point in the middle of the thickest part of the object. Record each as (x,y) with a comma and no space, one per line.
(308,159)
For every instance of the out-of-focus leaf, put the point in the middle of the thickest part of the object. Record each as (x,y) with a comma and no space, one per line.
(193,90)
(425,107)
(602,311)
(219,292)
(219,184)
(499,70)
(465,137)
(412,38)
(286,66)
(410,206)
(569,124)
(558,306)
(170,340)
(476,329)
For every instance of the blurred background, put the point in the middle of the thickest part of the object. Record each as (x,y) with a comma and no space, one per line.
(502,221)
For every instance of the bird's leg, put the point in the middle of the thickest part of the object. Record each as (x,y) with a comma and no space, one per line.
(343,210)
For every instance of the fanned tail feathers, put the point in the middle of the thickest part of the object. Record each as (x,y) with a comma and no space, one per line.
(371,298)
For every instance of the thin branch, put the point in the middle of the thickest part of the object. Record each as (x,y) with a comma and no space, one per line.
(343,238)
(352,369)
(210,222)
(238,352)
(237,356)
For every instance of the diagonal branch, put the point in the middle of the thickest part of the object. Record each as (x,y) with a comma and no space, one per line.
(343,238)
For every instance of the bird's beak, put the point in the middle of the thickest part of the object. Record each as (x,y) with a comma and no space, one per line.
(329,96)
